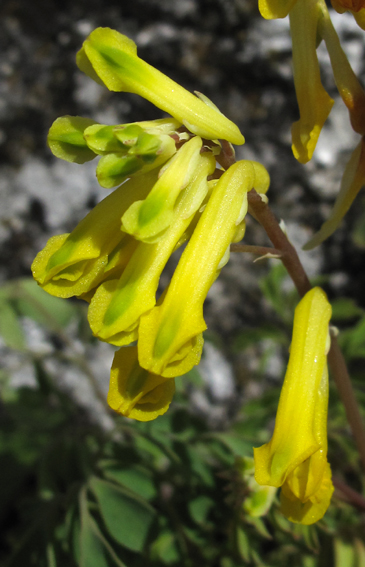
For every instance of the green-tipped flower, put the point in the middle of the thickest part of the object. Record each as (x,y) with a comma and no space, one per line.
(147,220)
(73,264)
(66,139)
(127,149)
(296,456)
(117,305)
(110,58)
(134,392)
(170,335)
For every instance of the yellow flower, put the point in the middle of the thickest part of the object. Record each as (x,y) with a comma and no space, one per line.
(347,83)
(313,101)
(169,338)
(111,59)
(149,219)
(134,392)
(117,305)
(272,9)
(296,456)
(73,264)
(127,149)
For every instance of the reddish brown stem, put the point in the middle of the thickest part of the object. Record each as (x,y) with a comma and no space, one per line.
(351,495)
(289,256)
(257,250)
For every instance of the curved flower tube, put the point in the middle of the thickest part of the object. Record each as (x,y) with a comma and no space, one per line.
(296,456)
(111,59)
(134,392)
(348,85)
(147,220)
(72,264)
(172,330)
(313,101)
(117,305)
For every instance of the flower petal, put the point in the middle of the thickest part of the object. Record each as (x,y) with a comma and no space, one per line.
(111,58)
(171,327)
(71,264)
(134,392)
(297,434)
(117,305)
(313,101)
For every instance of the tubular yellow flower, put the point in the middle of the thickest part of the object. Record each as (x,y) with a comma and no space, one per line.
(117,305)
(72,264)
(347,83)
(147,220)
(296,456)
(134,392)
(313,101)
(110,58)
(170,335)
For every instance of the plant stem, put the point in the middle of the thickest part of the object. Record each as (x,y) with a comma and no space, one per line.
(290,259)
(257,250)
(351,495)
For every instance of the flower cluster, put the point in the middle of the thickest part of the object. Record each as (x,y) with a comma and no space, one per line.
(295,459)
(310,23)
(173,187)
(171,190)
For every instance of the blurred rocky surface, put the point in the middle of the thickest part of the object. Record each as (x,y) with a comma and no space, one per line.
(222,48)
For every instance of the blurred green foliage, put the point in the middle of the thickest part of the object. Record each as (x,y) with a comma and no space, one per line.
(175,491)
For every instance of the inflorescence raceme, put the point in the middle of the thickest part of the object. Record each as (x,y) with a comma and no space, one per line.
(173,188)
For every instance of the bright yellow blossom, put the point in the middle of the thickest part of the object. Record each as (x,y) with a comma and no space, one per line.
(170,334)
(117,305)
(313,101)
(115,256)
(111,59)
(296,456)
(73,264)
(134,392)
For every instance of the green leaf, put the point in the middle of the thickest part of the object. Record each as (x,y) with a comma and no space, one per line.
(199,508)
(344,554)
(243,545)
(136,478)
(127,517)
(10,328)
(164,548)
(344,309)
(352,341)
(95,551)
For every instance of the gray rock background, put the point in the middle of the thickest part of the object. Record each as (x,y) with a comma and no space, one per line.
(222,48)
